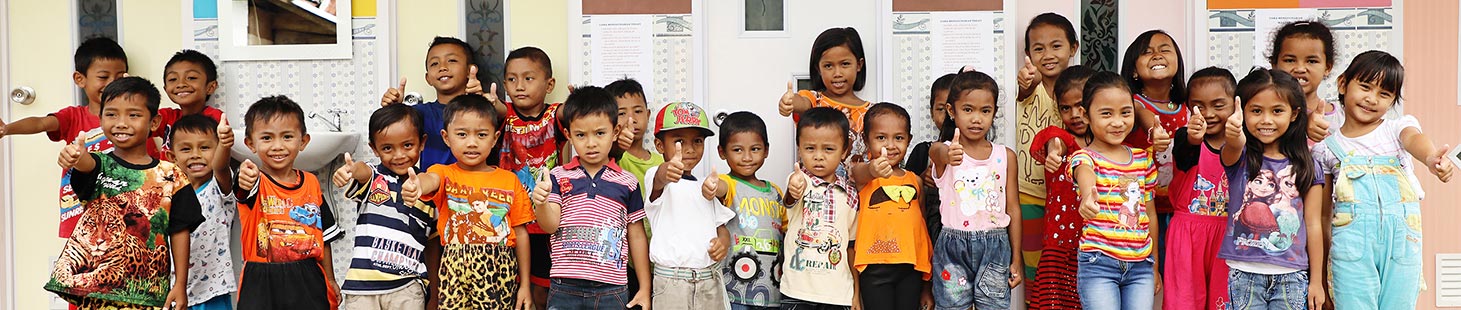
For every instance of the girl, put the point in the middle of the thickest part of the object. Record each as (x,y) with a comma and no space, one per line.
(891,217)
(1305,50)
(1050,42)
(1116,268)
(1055,286)
(1376,225)
(1154,64)
(838,71)
(918,162)
(1274,239)
(979,244)
(1195,277)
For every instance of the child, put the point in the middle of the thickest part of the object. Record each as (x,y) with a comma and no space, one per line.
(594,211)
(838,71)
(1370,249)
(893,259)
(287,223)
(189,79)
(1055,278)
(1116,269)
(693,237)
(938,107)
(980,243)
(485,260)
(117,256)
(1195,277)
(1274,239)
(195,140)
(531,143)
(1050,43)
(387,269)
(760,220)
(634,118)
(1305,50)
(1158,90)
(99,61)
(822,213)
(451,70)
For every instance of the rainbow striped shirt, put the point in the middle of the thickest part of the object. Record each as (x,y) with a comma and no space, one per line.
(1123,191)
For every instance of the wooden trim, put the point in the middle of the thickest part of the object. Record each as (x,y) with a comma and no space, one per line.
(947,5)
(600,7)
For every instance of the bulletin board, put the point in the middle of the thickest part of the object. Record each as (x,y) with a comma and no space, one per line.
(1233,40)
(916,32)
(654,41)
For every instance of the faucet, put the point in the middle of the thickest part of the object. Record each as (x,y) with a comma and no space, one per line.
(337,124)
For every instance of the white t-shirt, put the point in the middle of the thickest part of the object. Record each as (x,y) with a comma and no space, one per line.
(684,222)
(210,267)
(1383,141)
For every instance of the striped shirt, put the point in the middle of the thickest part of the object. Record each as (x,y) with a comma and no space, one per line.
(591,242)
(389,237)
(1123,190)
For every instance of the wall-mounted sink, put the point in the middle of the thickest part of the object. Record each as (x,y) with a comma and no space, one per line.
(322,149)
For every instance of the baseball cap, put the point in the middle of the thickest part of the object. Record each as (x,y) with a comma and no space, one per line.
(678,115)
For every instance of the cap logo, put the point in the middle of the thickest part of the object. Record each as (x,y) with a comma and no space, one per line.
(687,114)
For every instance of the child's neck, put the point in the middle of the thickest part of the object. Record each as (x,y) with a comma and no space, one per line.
(1049,83)
(192,108)
(638,151)
(482,167)
(751,178)
(591,169)
(1355,128)
(1215,141)
(534,112)
(93,108)
(1105,149)
(286,176)
(1160,90)
(1271,150)
(198,181)
(134,155)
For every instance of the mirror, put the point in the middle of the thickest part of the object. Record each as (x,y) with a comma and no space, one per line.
(284,29)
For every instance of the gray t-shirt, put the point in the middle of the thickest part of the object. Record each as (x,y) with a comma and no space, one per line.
(752,264)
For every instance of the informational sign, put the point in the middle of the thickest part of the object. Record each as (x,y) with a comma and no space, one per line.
(961,39)
(623,46)
(1267,21)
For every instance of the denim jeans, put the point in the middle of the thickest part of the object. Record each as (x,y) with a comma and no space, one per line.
(1106,283)
(977,260)
(1376,257)
(1261,291)
(576,294)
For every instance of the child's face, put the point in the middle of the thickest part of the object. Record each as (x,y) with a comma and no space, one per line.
(691,145)
(102,72)
(633,113)
(1366,102)
(470,138)
(447,69)
(744,152)
(940,108)
(126,121)
(277,140)
(1111,115)
(1069,107)
(821,150)
(973,113)
(1050,50)
(1215,103)
(888,132)
(398,146)
(592,136)
(194,150)
(1159,60)
(527,83)
(1267,116)
(1303,57)
(839,68)
(186,84)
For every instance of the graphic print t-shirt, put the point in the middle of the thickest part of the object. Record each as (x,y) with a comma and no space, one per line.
(890,224)
(390,236)
(285,223)
(1200,184)
(530,147)
(210,264)
(480,207)
(818,230)
(750,268)
(973,193)
(72,121)
(1123,189)
(1266,216)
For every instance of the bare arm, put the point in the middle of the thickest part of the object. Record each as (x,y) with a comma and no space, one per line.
(31,125)
(1313,217)
(179,293)
(1012,208)
(1422,149)
(327,263)
(639,252)
(549,216)
(524,268)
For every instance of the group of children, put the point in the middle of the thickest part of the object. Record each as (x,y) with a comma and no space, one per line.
(477,203)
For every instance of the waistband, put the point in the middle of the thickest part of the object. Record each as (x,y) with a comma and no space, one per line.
(691,274)
(1200,218)
(978,234)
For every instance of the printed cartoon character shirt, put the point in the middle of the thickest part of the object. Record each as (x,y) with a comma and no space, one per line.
(854,112)
(210,263)
(390,236)
(1123,189)
(72,121)
(1063,222)
(1171,116)
(285,222)
(480,207)
(530,147)
(819,228)
(973,192)
(119,250)
(886,224)
(591,242)
(1200,184)
(1266,221)
(750,268)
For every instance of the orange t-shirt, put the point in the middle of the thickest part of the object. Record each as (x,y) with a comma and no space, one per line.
(285,223)
(479,207)
(890,226)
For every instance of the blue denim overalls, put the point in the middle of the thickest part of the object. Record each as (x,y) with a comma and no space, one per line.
(1376,257)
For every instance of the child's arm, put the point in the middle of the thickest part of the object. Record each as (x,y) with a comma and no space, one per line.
(550,209)
(792,102)
(221,156)
(944,156)
(1051,145)
(876,168)
(433,272)
(1313,217)
(74,156)
(1154,226)
(856,276)
(1421,147)
(639,252)
(351,172)
(668,172)
(1012,208)
(720,245)
(30,125)
(524,268)
(184,215)
(1027,79)
(796,186)
(1233,149)
(248,177)
(177,296)
(327,263)
(428,183)
(1085,183)
(1196,127)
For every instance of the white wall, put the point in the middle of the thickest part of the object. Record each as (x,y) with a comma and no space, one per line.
(1134,20)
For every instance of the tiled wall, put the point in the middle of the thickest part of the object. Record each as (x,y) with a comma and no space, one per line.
(1356,30)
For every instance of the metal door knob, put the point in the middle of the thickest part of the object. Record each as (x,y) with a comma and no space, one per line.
(23,95)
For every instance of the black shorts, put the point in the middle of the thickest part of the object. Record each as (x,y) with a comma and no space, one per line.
(538,248)
(292,285)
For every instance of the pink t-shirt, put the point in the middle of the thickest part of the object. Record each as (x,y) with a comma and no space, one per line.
(1200,183)
(973,192)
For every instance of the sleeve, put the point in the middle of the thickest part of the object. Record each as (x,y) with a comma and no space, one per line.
(730,189)
(1185,155)
(1078,159)
(648,185)
(328,229)
(1037,146)
(634,205)
(186,212)
(66,125)
(1324,159)
(522,206)
(356,190)
(1319,178)
(247,198)
(918,158)
(83,184)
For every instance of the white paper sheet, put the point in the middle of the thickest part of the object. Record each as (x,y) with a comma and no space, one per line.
(1266,22)
(959,39)
(622,46)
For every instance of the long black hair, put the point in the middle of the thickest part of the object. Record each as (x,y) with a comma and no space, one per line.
(1293,144)
(965,82)
(1128,65)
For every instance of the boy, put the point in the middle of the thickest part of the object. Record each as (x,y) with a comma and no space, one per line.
(531,142)
(387,270)
(117,257)
(693,236)
(594,211)
(634,120)
(451,69)
(287,224)
(817,271)
(99,61)
(757,227)
(189,79)
(195,140)
(484,261)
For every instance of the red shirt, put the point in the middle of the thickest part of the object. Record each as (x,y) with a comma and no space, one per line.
(1062,205)
(166,118)
(72,121)
(1171,121)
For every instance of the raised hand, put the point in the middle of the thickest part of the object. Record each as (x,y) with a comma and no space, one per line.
(1318,126)
(788,102)
(1027,75)
(1234,131)
(1440,166)
(626,134)
(882,166)
(541,190)
(1196,126)
(2,129)
(346,173)
(474,86)
(72,152)
(674,168)
(248,175)
(711,187)
(411,190)
(1161,139)
(225,134)
(797,185)
(956,149)
(1089,208)
(394,95)
(1054,155)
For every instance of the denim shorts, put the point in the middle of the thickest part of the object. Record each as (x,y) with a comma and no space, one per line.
(971,259)
(1263,291)
(577,294)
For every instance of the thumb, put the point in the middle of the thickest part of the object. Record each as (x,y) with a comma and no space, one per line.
(791,86)
(80,139)
(1196,112)
(679,156)
(403,84)
(492,91)
(348,160)
(1029,63)
(222,120)
(412,176)
(247,164)
(958,137)
(473,72)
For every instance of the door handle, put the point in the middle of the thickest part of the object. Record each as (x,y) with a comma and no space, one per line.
(23,95)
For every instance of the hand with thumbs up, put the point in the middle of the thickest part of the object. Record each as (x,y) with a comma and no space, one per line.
(474,86)
(1234,131)
(411,189)
(626,134)
(1318,126)
(956,149)
(674,169)
(1161,139)
(1440,166)
(711,188)
(394,95)
(1028,74)
(346,173)
(1054,155)
(791,101)
(72,153)
(882,165)
(225,134)
(544,185)
(796,186)
(1196,127)
(1089,207)
(248,175)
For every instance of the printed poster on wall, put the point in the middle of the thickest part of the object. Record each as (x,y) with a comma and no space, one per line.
(959,39)
(1266,22)
(622,47)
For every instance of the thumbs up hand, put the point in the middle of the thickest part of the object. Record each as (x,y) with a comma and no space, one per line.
(1089,208)
(411,190)
(956,149)
(225,134)
(474,86)
(1161,139)
(711,187)
(1054,155)
(346,173)
(1196,126)
(72,152)
(248,175)
(1318,126)
(1234,129)
(542,189)
(672,170)
(796,187)
(394,95)
(626,134)
(790,99)
(882,166)
(1027,75)
(1440,166)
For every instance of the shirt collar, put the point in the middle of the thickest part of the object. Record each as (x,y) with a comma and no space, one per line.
(612,165)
